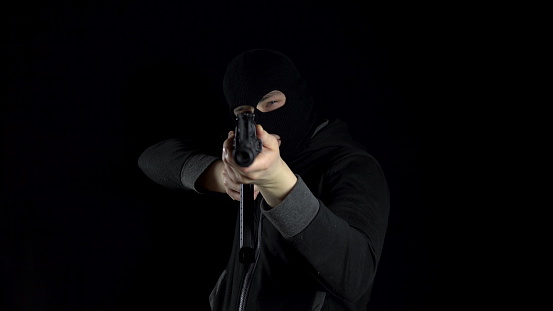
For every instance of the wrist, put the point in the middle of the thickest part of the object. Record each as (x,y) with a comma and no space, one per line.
(212,178)
(275,192)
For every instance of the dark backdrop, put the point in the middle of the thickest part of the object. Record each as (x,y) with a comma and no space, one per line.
(90,84)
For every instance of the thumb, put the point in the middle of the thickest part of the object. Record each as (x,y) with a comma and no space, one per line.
(271,141)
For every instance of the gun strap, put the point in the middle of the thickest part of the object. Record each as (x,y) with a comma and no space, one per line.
(246,254)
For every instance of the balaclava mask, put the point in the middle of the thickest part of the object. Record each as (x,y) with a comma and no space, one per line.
(254,73)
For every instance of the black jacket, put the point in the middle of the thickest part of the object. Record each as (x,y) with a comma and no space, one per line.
(319,249)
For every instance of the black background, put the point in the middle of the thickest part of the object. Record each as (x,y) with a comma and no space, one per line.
(92,83)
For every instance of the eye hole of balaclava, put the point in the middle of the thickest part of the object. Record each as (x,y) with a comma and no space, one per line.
(254,73)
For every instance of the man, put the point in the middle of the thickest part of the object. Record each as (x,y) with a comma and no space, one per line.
(321,201)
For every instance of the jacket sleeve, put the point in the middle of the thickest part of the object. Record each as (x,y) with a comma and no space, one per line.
(175,164)
(348,214)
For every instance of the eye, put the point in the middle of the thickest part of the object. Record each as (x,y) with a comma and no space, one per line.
(271,101)
(268,105)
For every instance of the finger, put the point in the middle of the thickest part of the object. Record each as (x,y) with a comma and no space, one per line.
(271,141)
(228,146)
(233,195)
(231,187)
(277,138)
(255,191)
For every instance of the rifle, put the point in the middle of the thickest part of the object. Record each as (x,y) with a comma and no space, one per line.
(246,144)
(246,147)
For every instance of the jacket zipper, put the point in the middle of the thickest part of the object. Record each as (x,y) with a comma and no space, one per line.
(251,267)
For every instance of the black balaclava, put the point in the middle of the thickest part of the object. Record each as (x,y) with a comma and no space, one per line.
(254,73)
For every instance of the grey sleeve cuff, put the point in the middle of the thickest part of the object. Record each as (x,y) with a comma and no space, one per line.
(295,213)
(193,168)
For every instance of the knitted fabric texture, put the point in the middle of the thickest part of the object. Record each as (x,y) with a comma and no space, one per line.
(254,73)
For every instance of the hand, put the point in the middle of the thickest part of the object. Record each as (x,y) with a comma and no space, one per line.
(230,182)
(268,172)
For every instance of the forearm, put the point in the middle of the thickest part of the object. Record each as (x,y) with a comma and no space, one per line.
(312,228)
(341,258)
(175,164)
(162,163)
